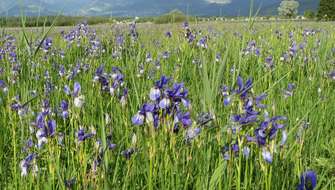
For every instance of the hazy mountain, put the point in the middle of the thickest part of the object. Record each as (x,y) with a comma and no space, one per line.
(144,7)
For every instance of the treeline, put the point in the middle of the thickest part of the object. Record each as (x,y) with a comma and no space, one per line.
(58,21)
(32,21)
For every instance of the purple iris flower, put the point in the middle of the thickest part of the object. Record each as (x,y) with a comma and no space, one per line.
(3,86)
(166,55)
(168,34)
(267,156)
(82,136)
(244,119)
(290,35)
(260,135)
(148,57)
(203,42)
(158,64)
(111,146)
(285,57)
(243,89)
(155,94)
(128,153)
(289,91)
(29,144)
(74,72)
(13,57)
(46,110)
(184,118)
(275,121)
(217,57)
(119,40)
(308,181)
(162,82)
(293,49)
(48,130)
(258,100)
(124,96)
(227,100)
(191,38)
(146,113)
(269,61)
(290,86)
(249,116)
(177,92)
(26,164)
(138,119)
(67,90)
(65,107)
(225,94)
(189,35)
(185,25)
(61,70)
(51,128)
(332,74)
(273,132)
(100,70)
(302,45)
(225,152)
(76,89)
(165,103)
(257,52)
(246,151)
(235,148)
(39,122)
(47,44)
(265,131)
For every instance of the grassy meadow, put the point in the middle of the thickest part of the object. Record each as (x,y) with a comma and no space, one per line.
(207,105)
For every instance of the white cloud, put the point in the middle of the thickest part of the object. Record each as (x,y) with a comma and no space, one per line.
(219,1)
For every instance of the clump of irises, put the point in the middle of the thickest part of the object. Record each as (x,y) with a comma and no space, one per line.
(251,49)
(45,125)
(8,53)
(166,101)
(78,98)
(78,36)
(189,35)
(112,83)
(8,48)
(133,31)
(252,125)
(29,164)
(44,128)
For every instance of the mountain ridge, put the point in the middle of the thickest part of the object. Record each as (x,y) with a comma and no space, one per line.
(144,7)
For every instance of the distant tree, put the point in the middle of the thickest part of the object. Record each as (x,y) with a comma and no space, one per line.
(309,14)
(173,16)
(288,8)
(326,10)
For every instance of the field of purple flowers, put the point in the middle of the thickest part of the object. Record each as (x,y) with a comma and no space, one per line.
(183,106)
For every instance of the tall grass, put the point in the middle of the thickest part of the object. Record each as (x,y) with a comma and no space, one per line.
(162,159)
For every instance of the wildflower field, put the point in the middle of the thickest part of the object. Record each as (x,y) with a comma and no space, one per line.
(217,105)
